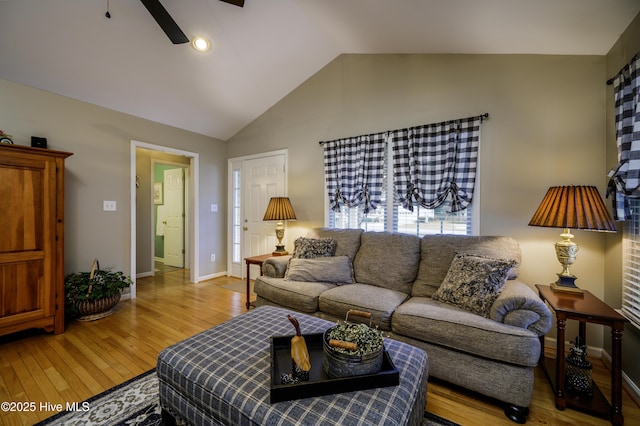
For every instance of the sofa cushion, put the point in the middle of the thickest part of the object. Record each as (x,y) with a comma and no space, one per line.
(297,295)
(325,269)
(380,302)
(448,326)
(347,240)
(310,248)
(473,283)
(438,251)
(388,260)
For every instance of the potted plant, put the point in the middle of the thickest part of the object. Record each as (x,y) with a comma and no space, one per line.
(92,295)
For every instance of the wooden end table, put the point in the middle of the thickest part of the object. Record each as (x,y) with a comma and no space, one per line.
(585,308)
(253,260)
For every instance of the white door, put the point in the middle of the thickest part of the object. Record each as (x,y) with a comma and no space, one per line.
(174,217)
(263,178)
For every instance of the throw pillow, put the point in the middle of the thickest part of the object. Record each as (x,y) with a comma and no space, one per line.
(335,270)
(473,283)
(310,248)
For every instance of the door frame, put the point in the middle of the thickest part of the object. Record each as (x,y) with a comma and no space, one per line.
(193,201)
(242,159)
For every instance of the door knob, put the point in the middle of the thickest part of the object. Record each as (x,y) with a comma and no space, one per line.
(244,228)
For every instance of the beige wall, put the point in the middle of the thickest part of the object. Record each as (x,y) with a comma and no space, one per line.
(546,127)
(619,55)
(99,170)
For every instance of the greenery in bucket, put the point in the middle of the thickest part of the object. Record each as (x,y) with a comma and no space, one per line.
(79,286)
(368,339)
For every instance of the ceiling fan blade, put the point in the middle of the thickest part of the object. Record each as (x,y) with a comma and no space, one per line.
(166,22)
(235,2)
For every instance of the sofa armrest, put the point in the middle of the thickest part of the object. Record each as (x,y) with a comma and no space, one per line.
(518,305)
(276,266)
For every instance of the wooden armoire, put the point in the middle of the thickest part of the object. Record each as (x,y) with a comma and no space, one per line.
(31,239)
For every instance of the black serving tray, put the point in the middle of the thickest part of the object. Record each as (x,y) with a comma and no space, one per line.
(319,383)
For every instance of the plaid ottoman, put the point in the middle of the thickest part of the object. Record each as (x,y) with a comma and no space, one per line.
(221,377)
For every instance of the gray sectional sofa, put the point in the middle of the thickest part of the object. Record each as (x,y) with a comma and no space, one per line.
(482,336)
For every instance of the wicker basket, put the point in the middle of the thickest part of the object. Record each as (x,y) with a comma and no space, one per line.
(90,310)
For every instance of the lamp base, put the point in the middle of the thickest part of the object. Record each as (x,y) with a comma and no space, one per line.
(280,251)
(566,284)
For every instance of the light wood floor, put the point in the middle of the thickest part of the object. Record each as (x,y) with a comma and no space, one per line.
(91,357)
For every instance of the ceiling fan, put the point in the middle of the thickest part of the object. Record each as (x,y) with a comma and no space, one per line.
(166,22)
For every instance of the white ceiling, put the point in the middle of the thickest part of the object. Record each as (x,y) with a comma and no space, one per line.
(265,50)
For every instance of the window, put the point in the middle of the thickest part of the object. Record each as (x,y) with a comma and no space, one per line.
(624,185)
(433,169)
(419,222)
(631,264)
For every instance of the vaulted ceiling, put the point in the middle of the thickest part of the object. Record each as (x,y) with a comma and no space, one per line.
(263,51)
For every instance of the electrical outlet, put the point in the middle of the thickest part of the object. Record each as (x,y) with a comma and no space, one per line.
(213,257)
(109,206)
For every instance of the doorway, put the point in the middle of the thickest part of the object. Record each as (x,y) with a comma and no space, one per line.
(253,180)
(142,201)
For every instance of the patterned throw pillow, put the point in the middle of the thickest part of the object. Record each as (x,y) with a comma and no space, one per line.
(310,248)
(473,283)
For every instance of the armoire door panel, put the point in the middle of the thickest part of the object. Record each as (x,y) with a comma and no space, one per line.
(22,191)
(24,289)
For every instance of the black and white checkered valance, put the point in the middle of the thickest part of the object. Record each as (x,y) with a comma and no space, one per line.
(625,177)
(430,163)
(433,161)
(354,171)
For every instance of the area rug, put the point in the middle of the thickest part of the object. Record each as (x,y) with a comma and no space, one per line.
(136,403)
(239,286)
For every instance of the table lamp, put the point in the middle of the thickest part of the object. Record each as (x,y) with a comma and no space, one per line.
(279,209)
(571,207)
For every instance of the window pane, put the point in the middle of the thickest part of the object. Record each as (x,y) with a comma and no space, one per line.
(419,222)
(432,221)
(236,225)
(355,218)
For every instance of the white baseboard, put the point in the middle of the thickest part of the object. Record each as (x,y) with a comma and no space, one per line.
(593,352)
(212,276)
(600,353)
(202,278)
(629,385)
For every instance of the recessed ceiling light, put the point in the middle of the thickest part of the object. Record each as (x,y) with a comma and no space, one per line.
(201,44)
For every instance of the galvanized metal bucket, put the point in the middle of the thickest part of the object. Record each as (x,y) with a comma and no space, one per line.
(338,364)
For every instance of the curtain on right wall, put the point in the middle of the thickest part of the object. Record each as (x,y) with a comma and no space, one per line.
(625,177)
